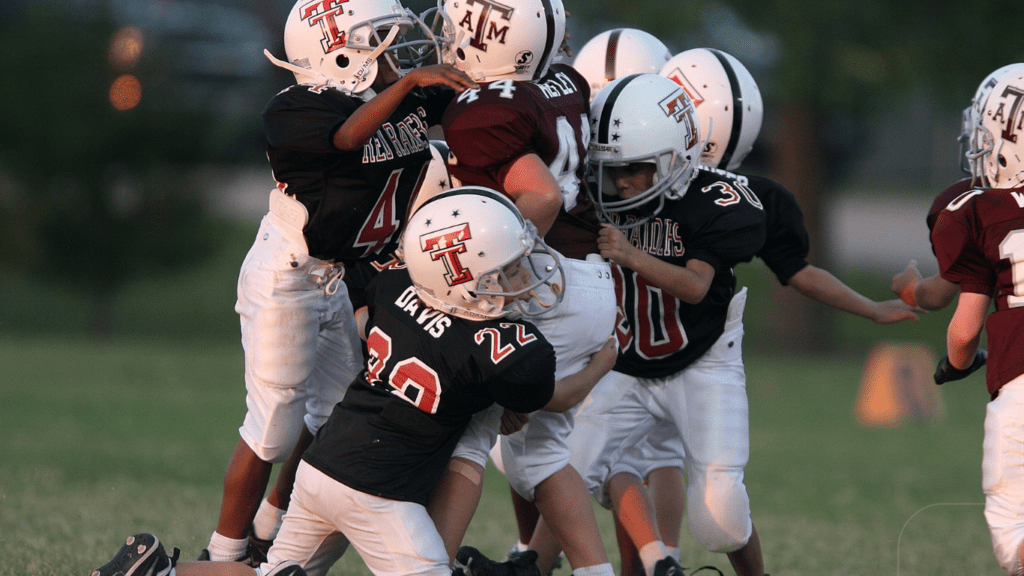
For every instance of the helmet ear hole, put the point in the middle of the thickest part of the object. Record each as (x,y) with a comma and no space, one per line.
(342,61)
(1002,161)
(460,54)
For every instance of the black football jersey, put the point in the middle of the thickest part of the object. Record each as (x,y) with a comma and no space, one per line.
(786,243)
(717,221)
(357,200)
(487,129)
(427,374)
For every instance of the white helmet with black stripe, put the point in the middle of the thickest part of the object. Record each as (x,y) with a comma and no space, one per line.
(507,39)
(724,93)
(620,52)
(642,118)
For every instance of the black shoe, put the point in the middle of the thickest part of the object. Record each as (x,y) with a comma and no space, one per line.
(668,566)
(256,552)
(204,556)
(471,562)
(141,555)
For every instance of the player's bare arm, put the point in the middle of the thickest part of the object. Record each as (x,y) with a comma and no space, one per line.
(534,190)
(572,389)
(932,293)
(820,285)
(964,332)
(689,284)
(369,117)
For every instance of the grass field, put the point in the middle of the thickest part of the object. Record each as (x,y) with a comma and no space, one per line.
(100,440)
(103,438)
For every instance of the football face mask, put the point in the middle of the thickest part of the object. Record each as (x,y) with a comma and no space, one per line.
(637,119)
(471,254)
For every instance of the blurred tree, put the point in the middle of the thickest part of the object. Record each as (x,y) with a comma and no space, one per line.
(94,196)
(835,60)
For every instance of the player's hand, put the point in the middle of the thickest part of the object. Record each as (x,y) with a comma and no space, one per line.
(945,372)
(441,75)
(564,47)
(905,283)
(604,359)
(896,310)
(614,246)
(512,422)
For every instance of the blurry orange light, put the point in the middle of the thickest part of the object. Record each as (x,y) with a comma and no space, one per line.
(125,48)
(125,92)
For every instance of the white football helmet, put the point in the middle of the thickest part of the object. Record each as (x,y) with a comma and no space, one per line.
(620,52)
(642,118)
(511,39)
(471,254)
(337,42)
(996,136)
(970,151)
(726,97)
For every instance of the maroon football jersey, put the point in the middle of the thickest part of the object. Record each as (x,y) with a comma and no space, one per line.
(488,129)
(944,198)
(979,242)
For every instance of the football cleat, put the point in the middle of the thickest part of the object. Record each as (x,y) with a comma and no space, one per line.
(141,555)
(471,562)
(668,566)
(256,552)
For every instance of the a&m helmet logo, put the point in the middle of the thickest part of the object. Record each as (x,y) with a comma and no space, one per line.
(1011,118)
(322,13)
(490,25)
(678,106)
(446,245)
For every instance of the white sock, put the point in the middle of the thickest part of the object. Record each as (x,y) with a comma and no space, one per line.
(222,548)
(651,553)
(595,570)
(268,521)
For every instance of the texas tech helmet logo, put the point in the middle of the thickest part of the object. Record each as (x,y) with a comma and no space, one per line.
(490,24)
(677,76)
(322,13)
(446,245)
(679,106)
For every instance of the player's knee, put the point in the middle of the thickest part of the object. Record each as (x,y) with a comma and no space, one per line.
(719,512)
(1008,546)
(276,448)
